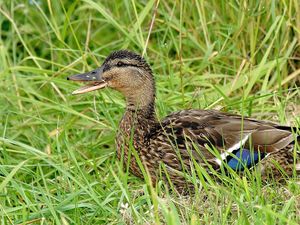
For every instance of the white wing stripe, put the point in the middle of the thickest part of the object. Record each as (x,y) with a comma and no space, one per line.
(231,149)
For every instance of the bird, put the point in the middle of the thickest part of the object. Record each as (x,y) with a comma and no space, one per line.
(168,148)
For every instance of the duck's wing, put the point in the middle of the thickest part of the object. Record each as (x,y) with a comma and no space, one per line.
(214,137)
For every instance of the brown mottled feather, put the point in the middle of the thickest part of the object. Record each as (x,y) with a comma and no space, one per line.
(172,141)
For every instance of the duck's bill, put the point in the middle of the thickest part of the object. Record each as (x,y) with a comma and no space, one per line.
(94,79)
(90,87)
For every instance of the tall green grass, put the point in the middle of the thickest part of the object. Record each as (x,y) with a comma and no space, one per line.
(57,151)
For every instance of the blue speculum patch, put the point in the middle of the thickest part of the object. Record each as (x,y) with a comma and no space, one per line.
(243,158)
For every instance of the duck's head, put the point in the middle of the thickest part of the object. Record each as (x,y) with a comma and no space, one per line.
(124,71)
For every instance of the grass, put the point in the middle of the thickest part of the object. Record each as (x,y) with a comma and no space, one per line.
(57,151)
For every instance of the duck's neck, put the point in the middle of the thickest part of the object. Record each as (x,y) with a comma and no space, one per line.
(135,129)
(139,116)
(139,119)
(146,113)
(137,122)
(140,102)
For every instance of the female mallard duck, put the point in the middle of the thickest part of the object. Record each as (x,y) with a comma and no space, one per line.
(211,138)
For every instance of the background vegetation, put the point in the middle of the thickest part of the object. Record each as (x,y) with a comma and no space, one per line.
(57,152)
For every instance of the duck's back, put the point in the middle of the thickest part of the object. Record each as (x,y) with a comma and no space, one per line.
(213,138)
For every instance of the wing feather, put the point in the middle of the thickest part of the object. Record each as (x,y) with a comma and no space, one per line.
(189,132)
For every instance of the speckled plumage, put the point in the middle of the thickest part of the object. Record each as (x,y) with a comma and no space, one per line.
(207,137)
(186,134)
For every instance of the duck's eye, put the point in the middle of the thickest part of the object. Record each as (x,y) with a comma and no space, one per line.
(120,64)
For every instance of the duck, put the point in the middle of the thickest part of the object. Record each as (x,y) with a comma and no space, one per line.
(168,148)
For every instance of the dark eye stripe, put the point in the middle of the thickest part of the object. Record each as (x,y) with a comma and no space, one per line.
(118,64)
(122,64)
